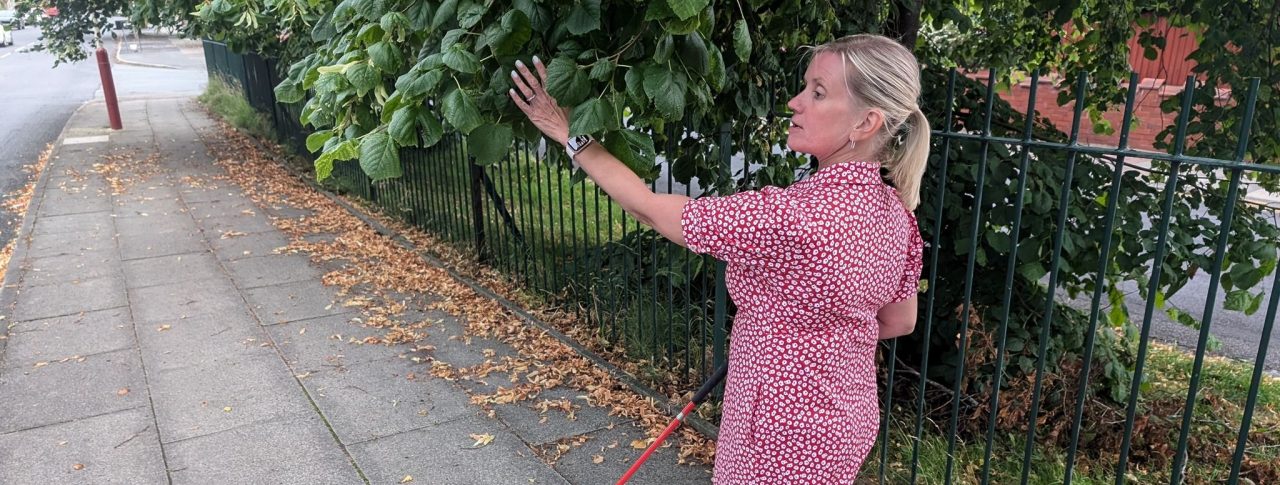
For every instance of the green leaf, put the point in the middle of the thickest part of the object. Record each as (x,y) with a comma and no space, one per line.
(386,56)
(667,90)
(715,69)
(742,40)
(371,10)
(394,21)
(470,14)
(565,82)
(413,84)
(635,85)
(461,60)
(420,14)
(288,92)
(1238,300)
(402,126)
(1032,271)
(391,105)
(687,8)
(461,111)
(431,131)
(346,150)
(634,149)
(379,156)
(489,143)
(445,13)
(324,28)
(662,52)
(593,116)
(363,77)
(693,53)
(584,18)
(315,141)
(511,35)
(602,70)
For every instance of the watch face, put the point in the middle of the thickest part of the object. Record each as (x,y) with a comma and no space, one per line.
(576,143)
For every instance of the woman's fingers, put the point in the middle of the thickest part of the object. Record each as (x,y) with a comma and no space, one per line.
(522,85)
(519,101)
(542,69)
(535,82)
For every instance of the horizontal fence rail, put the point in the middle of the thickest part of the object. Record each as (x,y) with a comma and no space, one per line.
(1049,266)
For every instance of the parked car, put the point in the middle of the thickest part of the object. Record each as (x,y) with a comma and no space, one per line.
(11,20)
(6,37)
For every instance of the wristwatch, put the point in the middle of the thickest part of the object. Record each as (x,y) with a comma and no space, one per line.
(576,144)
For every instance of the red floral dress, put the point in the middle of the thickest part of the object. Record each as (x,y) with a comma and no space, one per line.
(808,267)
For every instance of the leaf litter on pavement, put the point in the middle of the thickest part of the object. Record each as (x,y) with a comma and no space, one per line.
(384,280)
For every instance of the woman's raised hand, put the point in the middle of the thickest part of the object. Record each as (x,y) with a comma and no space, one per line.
(537,104)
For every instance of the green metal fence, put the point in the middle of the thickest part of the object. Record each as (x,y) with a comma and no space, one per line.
(563,238)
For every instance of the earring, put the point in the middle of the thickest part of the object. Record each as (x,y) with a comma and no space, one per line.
(853,144)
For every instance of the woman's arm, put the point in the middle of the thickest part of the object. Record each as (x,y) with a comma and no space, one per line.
(897,319)
(659,211)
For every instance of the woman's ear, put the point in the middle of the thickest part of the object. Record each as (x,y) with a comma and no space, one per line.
(869,123)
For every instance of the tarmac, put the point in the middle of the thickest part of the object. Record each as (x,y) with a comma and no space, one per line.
(140,345)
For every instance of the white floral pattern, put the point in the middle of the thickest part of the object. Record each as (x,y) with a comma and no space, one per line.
(808,267)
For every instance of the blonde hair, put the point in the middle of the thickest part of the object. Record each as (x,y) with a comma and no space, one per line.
(885,75)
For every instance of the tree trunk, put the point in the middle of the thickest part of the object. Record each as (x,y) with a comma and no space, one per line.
(904,22)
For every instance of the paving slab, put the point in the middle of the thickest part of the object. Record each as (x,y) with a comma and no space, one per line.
(232,248)
(272,269)
(113,448)
(536,427)
(162,242)
(381,398)
(70,298)
(286,451)
(205,341)
(325,343)
(613,447)
(209,397)
(209,296)
(71,267)
(443,455)
(61,391)
(294,301)
(81,334)
(140,273)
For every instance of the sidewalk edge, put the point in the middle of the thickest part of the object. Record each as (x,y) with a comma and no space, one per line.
(120,59)
(22,238)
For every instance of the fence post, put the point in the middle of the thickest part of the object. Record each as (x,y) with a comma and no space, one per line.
(477,206)
(719,335)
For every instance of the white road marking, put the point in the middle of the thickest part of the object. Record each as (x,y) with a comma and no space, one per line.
(85,139)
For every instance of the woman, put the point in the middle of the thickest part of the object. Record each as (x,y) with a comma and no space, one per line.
(819,271)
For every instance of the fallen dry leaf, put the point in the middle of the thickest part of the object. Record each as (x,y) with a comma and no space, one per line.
(122,391)
(77,466)
(639,444)
(41,364)
(164,328)
(226,409)
(597,459)
(406,479)
(481,440)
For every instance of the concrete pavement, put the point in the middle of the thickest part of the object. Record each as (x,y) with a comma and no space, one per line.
(142,345)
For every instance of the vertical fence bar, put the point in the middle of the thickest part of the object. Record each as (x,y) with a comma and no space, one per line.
(888,407)
(1157,266)
(719,335)
(933,272)
(1220,253)
(542,225)
(981,179)
(1259,365)
(1024,165)
(1054,265)
(1113,202)
(477,209)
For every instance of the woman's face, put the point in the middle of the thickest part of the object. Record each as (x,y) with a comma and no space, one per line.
(823,114)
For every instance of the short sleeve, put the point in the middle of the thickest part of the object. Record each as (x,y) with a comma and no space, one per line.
(913,264)
(753,228)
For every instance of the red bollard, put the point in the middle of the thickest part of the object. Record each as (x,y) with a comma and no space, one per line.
(109,90)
